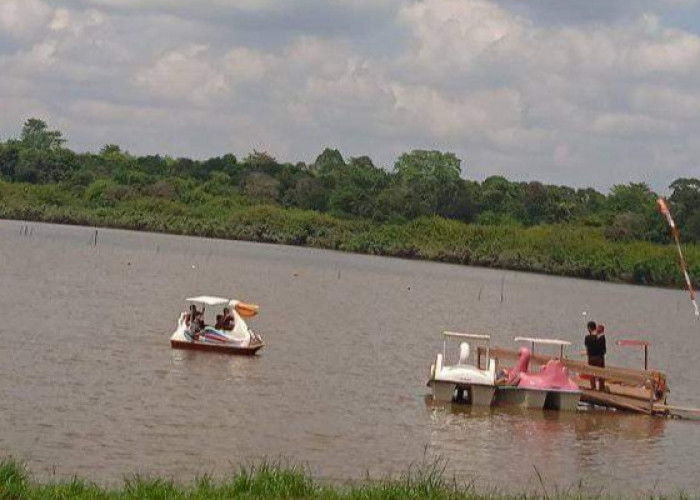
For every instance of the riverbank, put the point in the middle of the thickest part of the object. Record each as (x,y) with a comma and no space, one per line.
(565,250)
(270,480)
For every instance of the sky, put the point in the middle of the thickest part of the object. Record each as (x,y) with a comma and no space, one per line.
(574,92)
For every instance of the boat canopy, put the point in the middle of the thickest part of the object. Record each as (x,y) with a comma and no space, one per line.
(208,300)
(536,340)
(472,336)
(466,335)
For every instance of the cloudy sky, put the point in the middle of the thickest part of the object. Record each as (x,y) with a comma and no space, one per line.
(578,92)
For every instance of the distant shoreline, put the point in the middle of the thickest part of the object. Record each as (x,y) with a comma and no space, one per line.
(560,250)
(421,209)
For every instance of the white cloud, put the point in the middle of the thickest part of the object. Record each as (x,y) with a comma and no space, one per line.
(666,101)
(631,124)
(76,23)
(564,102)
(184,74)
(165,4)
(23,19)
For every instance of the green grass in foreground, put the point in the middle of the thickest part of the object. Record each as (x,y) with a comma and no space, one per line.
(268,480)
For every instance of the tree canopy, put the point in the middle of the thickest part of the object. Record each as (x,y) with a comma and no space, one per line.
(421,183)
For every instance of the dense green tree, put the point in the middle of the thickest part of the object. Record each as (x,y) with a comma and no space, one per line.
(501,197)
(308,193)
(422,183)
(685,204)
(227,164)
(9,158)
(634,198)
(627,226)
(110,149)
(36,135)
(41,157)
(432,178)
(259,185)
(328,161)
(260,161)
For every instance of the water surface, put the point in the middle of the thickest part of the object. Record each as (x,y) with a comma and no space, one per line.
(90,386)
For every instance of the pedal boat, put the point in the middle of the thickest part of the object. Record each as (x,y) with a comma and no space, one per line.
(463,381)
(551,388)
(239,340)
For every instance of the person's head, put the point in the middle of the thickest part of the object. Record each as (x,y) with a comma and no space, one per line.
(193,307)
(227,311)
(600,330)
(592,326)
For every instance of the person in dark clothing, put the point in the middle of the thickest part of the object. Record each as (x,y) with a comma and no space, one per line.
(600,341)
(227,321)
(595,349)
(196,320)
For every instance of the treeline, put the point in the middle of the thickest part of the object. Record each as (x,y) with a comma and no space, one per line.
(421,183)
(421,209)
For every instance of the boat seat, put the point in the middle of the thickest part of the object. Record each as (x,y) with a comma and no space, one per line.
(463,353)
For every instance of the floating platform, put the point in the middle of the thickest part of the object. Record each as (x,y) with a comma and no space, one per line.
(626,389)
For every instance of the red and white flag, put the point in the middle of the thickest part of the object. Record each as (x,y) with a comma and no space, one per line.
(663,208)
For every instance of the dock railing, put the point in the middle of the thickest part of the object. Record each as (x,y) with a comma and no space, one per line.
(648,379)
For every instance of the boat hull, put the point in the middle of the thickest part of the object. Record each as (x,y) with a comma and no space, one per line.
(481,395)
(226,349)
(562,400)
(525,398)
(443,392)
(477,395)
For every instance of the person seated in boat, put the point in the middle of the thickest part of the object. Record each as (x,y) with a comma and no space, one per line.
(501,377)
(227,321)
(196,319)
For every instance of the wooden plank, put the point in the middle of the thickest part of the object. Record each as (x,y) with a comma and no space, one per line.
(678,411)
(613,373)
(621,402)
(634,392)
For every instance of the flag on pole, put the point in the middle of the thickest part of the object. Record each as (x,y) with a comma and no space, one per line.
(663,208)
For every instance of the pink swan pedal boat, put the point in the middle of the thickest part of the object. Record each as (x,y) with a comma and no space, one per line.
(204,337)
(551,388)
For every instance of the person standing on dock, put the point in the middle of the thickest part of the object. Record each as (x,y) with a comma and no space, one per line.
(600,340)
(595,349)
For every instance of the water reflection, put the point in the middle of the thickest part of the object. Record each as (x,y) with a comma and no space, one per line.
(229,368)
(566,448)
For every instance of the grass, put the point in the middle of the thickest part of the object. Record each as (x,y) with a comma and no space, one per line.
(271,480)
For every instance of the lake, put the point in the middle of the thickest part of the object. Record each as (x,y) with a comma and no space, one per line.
(90,386)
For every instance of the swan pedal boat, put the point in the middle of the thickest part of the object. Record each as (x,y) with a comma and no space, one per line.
(551,388)
(239,340)
(451,382)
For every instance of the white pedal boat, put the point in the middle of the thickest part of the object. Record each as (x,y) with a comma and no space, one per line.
(463,381)
(203,336)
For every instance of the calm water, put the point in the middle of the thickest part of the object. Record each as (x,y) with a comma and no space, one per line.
(90,386)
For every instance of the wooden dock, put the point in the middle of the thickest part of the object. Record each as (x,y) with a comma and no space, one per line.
(627,389)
